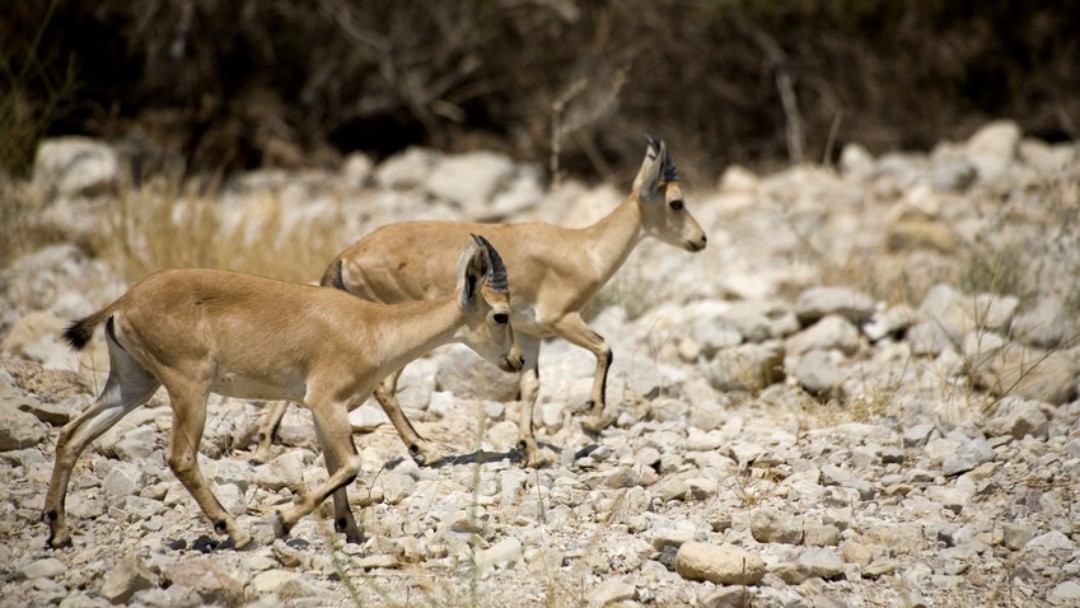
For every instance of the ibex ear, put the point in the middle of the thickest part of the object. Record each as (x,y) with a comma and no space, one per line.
(648,178)
(473,267)
(469,273)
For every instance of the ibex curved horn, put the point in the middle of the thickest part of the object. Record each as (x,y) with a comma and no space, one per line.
(497,280)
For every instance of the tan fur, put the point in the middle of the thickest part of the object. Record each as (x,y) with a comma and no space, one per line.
(198,332)
(555,272)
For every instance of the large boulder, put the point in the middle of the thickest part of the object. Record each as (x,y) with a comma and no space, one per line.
(470,180)
(818,302)
(407,169)
(1050,377)
(747,367)
(993,148)
(468,376)
(1045,325)
(19,429)
(719,564)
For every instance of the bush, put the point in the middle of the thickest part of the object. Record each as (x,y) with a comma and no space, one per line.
(232,85)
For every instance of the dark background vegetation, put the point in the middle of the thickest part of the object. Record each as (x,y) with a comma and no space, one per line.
(225,85)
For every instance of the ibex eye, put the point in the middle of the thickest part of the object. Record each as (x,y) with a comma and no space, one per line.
(502,318)
(675,205)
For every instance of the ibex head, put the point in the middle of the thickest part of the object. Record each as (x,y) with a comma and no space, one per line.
(484,297)
(664,213)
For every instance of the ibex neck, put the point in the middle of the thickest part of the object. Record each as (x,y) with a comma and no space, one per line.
(615,236)
(413,329)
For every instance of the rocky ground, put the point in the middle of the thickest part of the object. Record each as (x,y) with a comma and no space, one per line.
(864,392)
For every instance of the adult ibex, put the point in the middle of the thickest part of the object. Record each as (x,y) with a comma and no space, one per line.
(555,272)
(207,331)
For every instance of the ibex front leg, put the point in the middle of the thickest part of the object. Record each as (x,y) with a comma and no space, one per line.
(529,387)
(332,421)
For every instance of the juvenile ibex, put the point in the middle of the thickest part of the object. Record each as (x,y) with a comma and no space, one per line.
(555,272)
(207,331)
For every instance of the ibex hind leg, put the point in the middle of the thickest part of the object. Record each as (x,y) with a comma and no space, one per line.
(188,402)
(574,329)
(420,449)
(267,428)
(129,385)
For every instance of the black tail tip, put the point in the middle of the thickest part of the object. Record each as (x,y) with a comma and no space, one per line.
(79,333)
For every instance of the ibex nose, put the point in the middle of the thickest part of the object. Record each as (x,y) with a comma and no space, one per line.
(698,245)
(513,364)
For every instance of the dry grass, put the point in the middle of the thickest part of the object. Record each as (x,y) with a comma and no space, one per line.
(1025,244)
(20,231)
(176,224)
(1004,259)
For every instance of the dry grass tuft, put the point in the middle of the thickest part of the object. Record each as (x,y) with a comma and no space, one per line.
(21,231)
(176,224)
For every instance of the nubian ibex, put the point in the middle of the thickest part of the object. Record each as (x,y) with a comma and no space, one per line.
(555,271)
(198,332)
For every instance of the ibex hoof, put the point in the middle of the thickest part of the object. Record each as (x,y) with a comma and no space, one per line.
(540,459)
(424,454)
(536,463)
(353,534)
(535,457)
(418,458)
(261,456)
(55,542)
(239,539)
(597,423)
